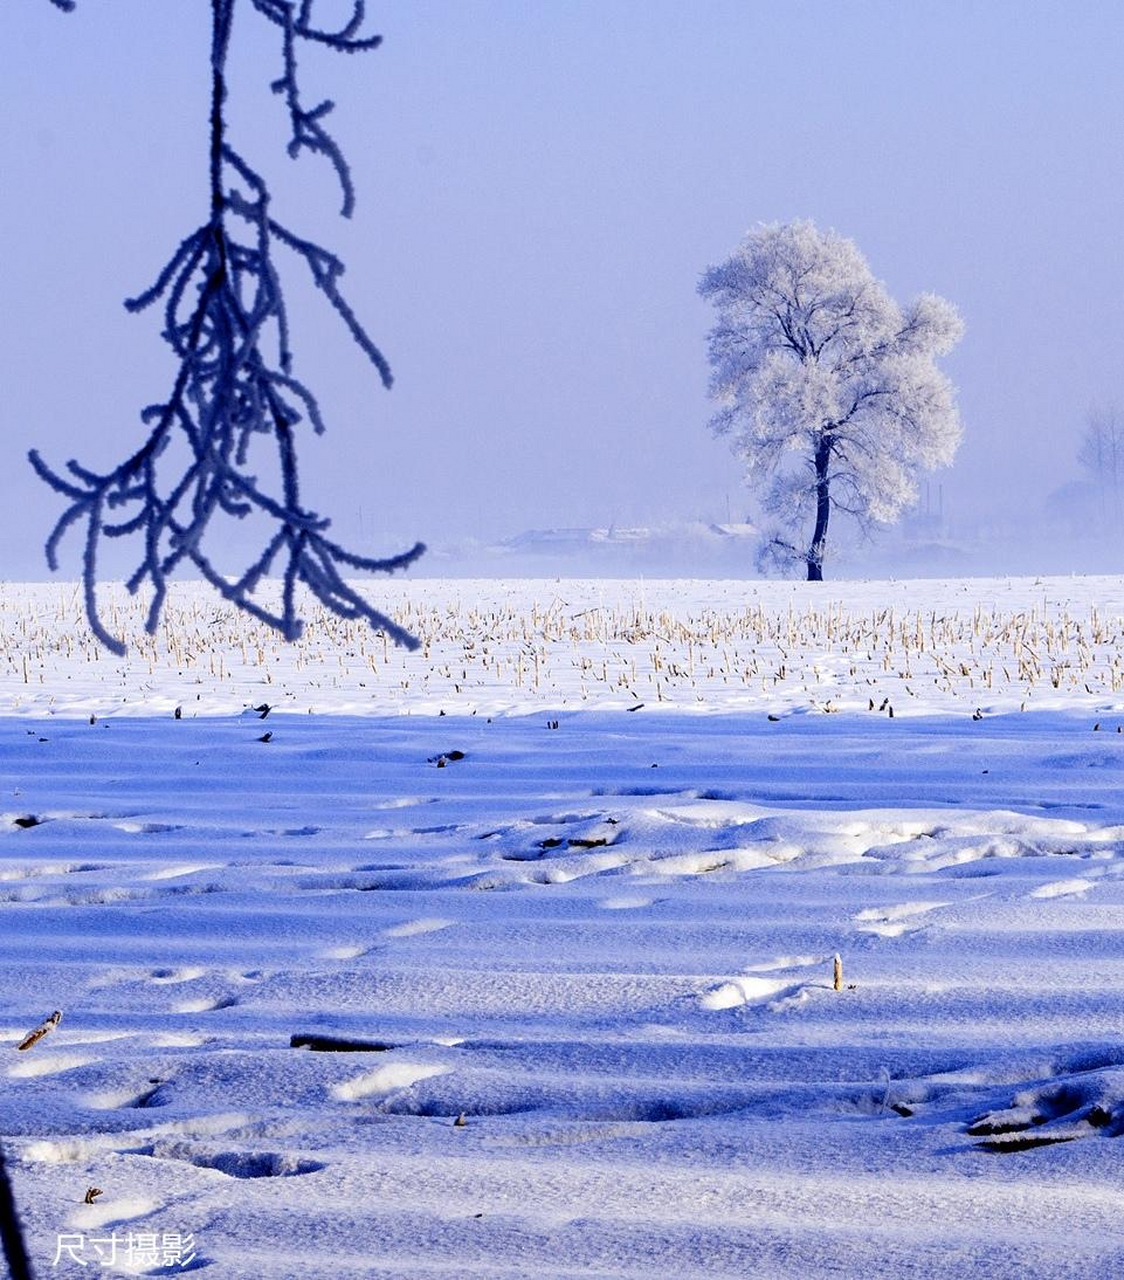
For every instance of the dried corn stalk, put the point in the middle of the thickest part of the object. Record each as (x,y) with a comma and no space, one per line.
(48,1024)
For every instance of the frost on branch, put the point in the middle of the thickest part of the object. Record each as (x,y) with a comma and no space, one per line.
(827,388)
(224,317)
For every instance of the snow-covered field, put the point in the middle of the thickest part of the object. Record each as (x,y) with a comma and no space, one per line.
(515,956)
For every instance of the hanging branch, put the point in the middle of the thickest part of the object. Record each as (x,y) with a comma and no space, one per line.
(222,306)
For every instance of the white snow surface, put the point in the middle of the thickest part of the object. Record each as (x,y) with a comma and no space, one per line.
(396,992)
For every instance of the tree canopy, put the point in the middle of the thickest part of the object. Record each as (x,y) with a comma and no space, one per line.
(826,387)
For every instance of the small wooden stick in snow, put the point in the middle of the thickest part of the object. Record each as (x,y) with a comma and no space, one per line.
(48,1024)
(838,973)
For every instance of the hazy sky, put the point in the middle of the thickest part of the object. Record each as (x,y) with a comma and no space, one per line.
(539,186)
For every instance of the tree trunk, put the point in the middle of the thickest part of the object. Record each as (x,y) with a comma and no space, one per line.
(823,512)
(11,1237)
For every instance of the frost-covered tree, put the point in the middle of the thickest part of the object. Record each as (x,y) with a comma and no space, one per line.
(827,388)
(1101,455)
(222,444)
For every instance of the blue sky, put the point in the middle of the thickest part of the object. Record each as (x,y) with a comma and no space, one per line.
(539,187)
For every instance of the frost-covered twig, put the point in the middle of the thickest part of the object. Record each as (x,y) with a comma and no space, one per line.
(223,315)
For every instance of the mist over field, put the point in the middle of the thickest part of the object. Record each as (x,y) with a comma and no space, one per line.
(538,192)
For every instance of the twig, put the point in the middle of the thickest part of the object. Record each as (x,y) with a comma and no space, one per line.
(224,316)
